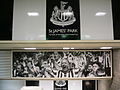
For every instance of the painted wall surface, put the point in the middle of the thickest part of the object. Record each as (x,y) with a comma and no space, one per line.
(46,84)
(34,27)
(104,84)
(74,84)
(43,85)
(29,27)
(116,73)
(96,27)
(11,84)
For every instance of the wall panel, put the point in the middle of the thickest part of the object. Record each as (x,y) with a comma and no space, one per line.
(34,27)
(5,64)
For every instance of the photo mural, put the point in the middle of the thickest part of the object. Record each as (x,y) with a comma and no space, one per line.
(65,64)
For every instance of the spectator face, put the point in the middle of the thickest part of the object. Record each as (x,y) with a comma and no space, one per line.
(19,68)
(44,64)
(30,75)
(29,64)
(29,59)
(90,67)
(81,67)
(95,67)
(65,65)
(25,69)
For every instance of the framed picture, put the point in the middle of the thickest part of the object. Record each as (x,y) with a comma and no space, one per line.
(89,85)
(62,64)
(61,85)
(63,20)
(32,82)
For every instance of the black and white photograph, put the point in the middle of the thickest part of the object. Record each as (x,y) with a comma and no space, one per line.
(62,64)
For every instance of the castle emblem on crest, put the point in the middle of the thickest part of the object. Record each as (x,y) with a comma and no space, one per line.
(62,16)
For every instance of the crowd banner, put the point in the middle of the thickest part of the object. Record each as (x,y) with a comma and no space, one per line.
(62,64)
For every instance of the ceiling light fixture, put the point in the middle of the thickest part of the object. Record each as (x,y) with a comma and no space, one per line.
(100,14)
(33,14)
(66,48)
(30,48)
(105,47)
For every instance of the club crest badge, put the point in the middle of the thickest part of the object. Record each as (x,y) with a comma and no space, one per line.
(60,83)
(63,16)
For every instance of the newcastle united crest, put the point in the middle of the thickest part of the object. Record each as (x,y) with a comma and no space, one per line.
(63,16)
(60,83)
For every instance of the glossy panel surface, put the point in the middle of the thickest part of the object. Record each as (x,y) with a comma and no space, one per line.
(96,27)
(34,27)
(29,20)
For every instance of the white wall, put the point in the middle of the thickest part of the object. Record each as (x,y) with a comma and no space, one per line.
(43,84)
(26,27)
(116,70)
(46,84)
(96,27)
(11,84)
(74,84)
(34,28)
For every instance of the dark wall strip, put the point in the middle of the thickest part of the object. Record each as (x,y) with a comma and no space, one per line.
(89,85)
(6,16)
(116,18)
(32,82)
